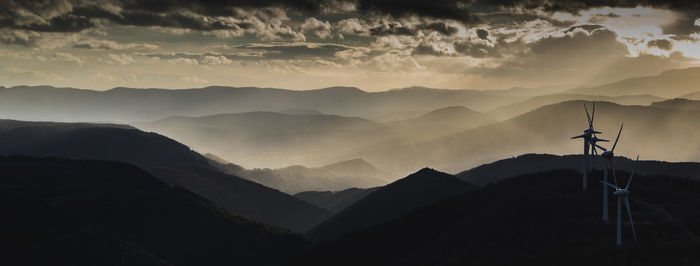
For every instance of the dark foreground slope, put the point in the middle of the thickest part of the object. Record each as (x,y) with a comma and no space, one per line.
(536,219)
(535,163)
(151,151)
(390,202)
(63,212)
(245,197)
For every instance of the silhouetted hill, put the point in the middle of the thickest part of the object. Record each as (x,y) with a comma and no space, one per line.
(244,197)
(512,110)
(151,151)
(95,141)
(668,84)
(334,201)
(653,133)
(141,105)
(294,179)
(64,212)
(535,163)
(390,202)
(536,219)
(678,104)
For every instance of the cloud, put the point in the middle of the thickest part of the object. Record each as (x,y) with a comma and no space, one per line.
(662,44)
(18,37)
(96,44)
(122,59)
(321,29)
(295,50)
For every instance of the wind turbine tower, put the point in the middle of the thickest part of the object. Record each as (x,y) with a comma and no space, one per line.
(623,196)
(587,135)
(608,160)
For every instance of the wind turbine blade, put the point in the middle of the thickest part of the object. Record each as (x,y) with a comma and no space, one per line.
(601,147)
(610,185)
(629,212)
(590,124)
(602,140)
(618,137)
(577,137)
(593,115)
(634,167)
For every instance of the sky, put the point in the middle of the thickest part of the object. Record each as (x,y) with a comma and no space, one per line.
(372,45)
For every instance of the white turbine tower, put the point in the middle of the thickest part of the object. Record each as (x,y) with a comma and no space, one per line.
(587,135)
(623,194)
(608,160)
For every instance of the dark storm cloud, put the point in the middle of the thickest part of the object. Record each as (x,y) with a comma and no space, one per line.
(482,34)
(661,44)
(577,5)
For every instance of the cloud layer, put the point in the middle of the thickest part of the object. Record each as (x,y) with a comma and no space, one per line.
(306,44)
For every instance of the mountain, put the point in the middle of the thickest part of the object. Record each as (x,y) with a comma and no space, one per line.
(668,84)
(261,139)
(66,212)
(533,163)
(142,105)
(390,202)
(442,121)
(294,179)
(160,155)
(653,133)
(678,104)
(275,140)
(690,96)
(244,197)
(95,141)
(513,110)
(300,112)
(534,219)
(334,201)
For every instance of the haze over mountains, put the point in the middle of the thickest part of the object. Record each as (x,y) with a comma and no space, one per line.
(276,128)
(173,163)
(653,133)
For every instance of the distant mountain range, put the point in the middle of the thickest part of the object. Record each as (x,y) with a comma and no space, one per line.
(275,140)
(64,212)
(294,179)
(143,105)
(669,84)
(651,132)
(167,159)
(678,104)
(390,202)
(515,109)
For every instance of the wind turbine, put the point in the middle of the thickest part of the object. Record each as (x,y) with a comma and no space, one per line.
(623,194)
(587,136)
(608,160)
